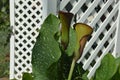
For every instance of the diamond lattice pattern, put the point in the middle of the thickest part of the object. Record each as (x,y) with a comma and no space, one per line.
(102,16)
(28,18)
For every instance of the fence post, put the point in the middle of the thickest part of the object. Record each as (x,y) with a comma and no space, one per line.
(117,42)
(52,7)
(11,39)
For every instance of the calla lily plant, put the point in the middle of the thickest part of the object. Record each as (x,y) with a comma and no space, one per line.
(55,46)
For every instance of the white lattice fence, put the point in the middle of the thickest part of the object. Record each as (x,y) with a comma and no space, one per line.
(27,16)
(102,16)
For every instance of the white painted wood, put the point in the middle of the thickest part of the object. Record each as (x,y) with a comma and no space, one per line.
(98,32)
(63,4)
(101,12)
(92,71)
(88,11)
(100,45)
(11,57)
(92,56)
(26,18)
(12,40)
(52,7)
(77,6)
(117,41)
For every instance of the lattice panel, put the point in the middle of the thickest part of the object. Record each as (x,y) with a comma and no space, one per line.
(28,16)
(102,16)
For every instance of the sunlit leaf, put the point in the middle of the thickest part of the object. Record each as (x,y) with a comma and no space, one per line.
(46,50)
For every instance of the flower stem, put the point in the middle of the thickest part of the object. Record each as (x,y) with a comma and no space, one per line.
(71,69)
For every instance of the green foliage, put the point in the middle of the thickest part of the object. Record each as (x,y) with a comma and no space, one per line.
(107,69)
(46,50)
(117,73)
(72,41)
(4,14)
(49,62)
(52,56)
(4,37)
(27,76)
(84,76)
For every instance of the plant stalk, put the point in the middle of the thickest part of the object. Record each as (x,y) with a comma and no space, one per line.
(71,69)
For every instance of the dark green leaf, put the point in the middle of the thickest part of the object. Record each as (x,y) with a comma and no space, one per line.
(46,50)
(118,64)
(64,66)
(52,72)
(107,68)
(84,76)
(78,72)
(118,61)
(116,76)
(27,76)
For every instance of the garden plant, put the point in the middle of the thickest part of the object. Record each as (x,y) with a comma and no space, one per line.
(4,39)
(59,46)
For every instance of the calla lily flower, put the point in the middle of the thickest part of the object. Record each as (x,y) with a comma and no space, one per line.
(65,19)
(83,31)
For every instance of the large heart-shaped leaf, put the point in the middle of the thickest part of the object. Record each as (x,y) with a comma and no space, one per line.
(46,50)
(107,68)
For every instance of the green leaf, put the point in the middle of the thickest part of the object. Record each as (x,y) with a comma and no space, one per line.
(52,69)
(46,50)
(64,66)
(84,76)
(27,76)
(116,76)
(118,61)
(107,68)
(118,64)
(72,41)
(78,72)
